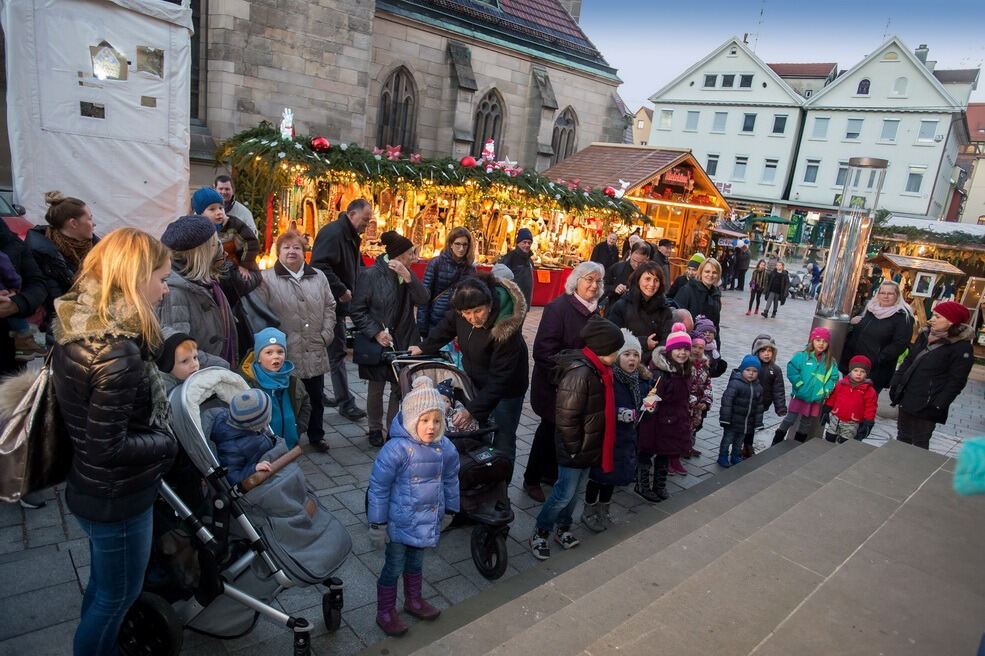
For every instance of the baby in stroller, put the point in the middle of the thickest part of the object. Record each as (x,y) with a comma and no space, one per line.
(447,390)
(241,435)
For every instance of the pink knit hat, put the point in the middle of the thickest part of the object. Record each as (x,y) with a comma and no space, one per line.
(678,338)
(821,333)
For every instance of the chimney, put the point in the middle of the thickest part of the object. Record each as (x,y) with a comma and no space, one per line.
(573,7)
(921,52)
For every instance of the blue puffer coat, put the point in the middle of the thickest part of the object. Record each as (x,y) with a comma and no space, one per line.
(742,404)
(441,275)
(238,450)
(412,485)
(624,453)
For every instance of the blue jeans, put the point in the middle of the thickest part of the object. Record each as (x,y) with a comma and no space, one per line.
(506,414)
(119,553)
(560,505)
(400,559)
(732,439)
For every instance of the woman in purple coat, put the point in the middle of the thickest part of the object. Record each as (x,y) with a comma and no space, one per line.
(559,329)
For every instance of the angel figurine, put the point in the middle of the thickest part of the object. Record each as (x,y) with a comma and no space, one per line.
(287,124)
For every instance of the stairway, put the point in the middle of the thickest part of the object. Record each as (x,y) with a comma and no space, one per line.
(824,549)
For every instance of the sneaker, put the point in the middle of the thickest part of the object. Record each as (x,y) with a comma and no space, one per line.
(723,462)
(32,502)
(539,547)
(748,312)
(352,412)
(565,538)
(736,460)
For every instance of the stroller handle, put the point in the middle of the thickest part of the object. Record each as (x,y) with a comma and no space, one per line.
(259,477)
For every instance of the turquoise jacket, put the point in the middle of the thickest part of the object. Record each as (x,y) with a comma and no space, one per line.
(811,382)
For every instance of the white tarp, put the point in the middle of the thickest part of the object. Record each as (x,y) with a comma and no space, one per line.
(121,145)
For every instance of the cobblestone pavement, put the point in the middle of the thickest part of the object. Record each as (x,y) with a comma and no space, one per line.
(44,556)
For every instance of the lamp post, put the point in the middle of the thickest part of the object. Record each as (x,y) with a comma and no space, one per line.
(856,212)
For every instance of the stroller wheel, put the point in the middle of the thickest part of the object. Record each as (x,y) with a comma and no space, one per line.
(151,628)
(489,551)
(331,604)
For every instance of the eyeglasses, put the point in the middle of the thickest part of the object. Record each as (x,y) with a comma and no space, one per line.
(592,281)
(460,244)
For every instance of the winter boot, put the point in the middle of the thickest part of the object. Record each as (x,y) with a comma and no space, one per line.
(779,436)
(831,437)
(591,518)
(414,601)
(642,487)
(800,437)
(376,438)
(386,611)
(605,515)
(660,478)
(747,450)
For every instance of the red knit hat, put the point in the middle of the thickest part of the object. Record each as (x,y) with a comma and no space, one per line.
(953,311)
(860,362)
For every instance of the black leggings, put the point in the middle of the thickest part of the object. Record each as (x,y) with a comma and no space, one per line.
(595,492)
(756,294)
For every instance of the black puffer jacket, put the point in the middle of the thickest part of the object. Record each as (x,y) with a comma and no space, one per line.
(927,386)
(698,298)
(742,404)
(580,411)
(336,254)
(643,317)
(880,340)
(58,270)
(104,396)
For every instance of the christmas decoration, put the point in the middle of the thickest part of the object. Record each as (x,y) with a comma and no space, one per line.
(415,158)
(489,150)
(287,124)
(320,145)
(468,161)
(392,153)
(610,192)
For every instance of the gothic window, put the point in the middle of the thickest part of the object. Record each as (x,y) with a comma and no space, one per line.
(863,88)
(396,124)
(199,49)
(565,136)
(488,122)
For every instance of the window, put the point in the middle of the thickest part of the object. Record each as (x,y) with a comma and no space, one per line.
(666,119)
(748,122)
(199,60)
(739,171)
(769,171)
(872,179)
(397,119)
(745,81)
(564,138)
(728,81)
(899,86)
(779,124)
(863,88)
(810,172)
(928,129)
(488,122)
(711,168)
(820,128)
(808,92)
(842,174)
(639,125)
(889,129)
(854,128)
(718,125)
(914,180)
(733,51)
(692,121)
(710,81)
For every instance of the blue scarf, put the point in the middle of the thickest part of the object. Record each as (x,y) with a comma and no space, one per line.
(276,385)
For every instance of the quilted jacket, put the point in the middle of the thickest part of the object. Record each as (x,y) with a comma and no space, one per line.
(580,411)
(190,308)
(742,404)
(238,450)
(851,402)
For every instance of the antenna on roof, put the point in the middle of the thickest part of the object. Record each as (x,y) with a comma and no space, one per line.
(759,23)
(885,32)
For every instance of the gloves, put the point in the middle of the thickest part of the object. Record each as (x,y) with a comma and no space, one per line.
(377,535)
(825,414)
(863,430)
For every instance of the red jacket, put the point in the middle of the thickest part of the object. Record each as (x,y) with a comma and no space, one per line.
(850,402)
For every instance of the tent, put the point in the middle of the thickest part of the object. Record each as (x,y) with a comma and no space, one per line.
(98,106)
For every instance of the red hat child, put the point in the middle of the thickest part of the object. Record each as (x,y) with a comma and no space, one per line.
(860,362)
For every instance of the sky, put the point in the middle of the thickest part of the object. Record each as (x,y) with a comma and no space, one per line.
(652,42)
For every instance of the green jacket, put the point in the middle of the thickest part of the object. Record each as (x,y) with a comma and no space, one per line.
(811,382)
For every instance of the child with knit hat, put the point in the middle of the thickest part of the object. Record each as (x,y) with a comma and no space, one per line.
(742,410)
(771,380)
(413,484)
(850,411)
(704,327)
(239,242)
(667,432)
(813,374)
(177,359)
(700,396)
(242,435)
(690,271)
(447,390)
(630,385)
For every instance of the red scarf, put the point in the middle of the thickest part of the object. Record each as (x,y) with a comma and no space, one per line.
(609,443)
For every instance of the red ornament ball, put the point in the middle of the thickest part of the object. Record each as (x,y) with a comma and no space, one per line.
(320,144)
(468,161)
(610,192)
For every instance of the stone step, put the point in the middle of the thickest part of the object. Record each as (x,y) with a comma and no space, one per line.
(736,602)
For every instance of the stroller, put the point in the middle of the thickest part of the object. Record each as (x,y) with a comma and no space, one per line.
(799,285)
(222,553)
(483,476)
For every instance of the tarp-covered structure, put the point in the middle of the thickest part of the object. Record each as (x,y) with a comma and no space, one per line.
(98,106)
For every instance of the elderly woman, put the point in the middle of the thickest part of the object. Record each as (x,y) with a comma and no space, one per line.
(559,329)
(933,373)
(442,274)
(383,310)
(300,296)
(881,333)
(702,296)
(643,310)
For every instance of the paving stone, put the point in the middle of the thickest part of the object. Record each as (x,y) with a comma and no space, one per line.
(40,608)
(12,539)
(40,571)
(53,640)
(343,642)
(46,535)
(10,515)
(456,589)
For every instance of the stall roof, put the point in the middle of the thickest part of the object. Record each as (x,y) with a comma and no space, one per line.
(767,219)
(927,223)
(913,263)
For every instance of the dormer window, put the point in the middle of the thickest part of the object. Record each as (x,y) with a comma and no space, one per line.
(863,88)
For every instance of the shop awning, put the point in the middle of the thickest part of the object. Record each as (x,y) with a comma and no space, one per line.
(772,218)
(914,263)
(729,233)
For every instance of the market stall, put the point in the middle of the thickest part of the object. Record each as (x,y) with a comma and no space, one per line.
(920,279)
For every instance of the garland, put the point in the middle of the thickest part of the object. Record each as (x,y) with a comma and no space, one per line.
(267,162)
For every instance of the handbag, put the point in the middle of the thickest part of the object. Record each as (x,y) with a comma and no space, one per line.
(35,448)
(366,351)
(255,314)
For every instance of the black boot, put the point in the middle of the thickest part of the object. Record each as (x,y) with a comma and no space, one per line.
(800,437)
(643,475)
(660,478)
(779,436)
(831,437)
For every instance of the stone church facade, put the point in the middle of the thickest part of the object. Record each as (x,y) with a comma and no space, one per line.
(438,77)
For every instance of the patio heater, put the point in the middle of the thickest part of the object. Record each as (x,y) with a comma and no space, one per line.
(856,211)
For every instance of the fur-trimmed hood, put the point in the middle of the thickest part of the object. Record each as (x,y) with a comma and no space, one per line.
(77,318)
(967,333)
(764,341)
(508,309)
(661,363)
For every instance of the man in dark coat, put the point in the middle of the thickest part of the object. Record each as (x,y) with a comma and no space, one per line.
(665,248)
(617,277)
(742,260)
(520,262)
(27,299)
(606,253)
(336,254)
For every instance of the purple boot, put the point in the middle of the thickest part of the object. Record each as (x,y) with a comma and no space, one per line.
(413,600)
(386,610)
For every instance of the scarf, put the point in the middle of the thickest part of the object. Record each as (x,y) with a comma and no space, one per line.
(72,249)
(228,330)
(277,386)
(632,381)
(883,312)
(591,306)
(609,441)
(935,335)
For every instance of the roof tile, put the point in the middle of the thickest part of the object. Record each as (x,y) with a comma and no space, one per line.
(803,70)
(599,165)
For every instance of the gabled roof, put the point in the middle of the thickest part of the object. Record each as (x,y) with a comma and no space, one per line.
(803,70)
(604,164)
(906,54)
(976,121)
(958,76)
(647,111)
(734,41)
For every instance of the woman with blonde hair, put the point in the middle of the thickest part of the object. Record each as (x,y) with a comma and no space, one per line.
(454,263)
(702,295)
(113,401)
(881,333)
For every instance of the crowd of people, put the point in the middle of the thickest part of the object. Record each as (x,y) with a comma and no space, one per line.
(621,379)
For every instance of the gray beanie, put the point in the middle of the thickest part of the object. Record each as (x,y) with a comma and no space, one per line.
(250,410)
(423,397)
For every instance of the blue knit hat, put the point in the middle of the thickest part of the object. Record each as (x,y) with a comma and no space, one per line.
(447,388)
(749,361)
(204,197)
(187,232)
(250,410)
(523,234)
(268,337)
